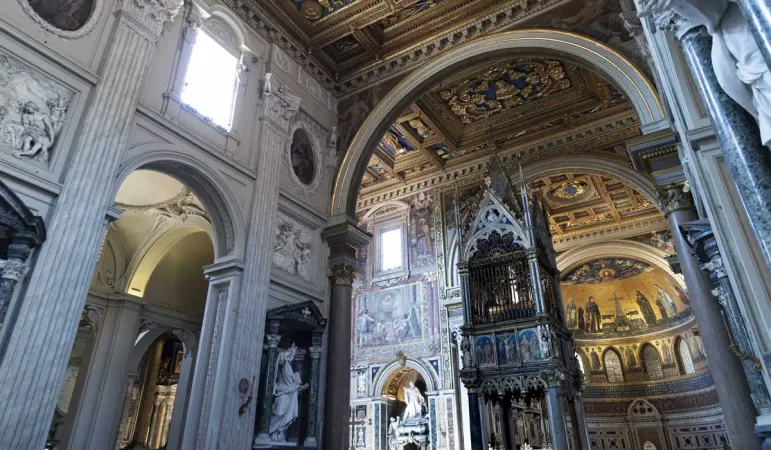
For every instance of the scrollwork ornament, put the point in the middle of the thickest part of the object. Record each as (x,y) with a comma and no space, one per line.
(721,296)
(342,274)
(13,269)
(279,105)
(93,316)
(188,339)
(675,198)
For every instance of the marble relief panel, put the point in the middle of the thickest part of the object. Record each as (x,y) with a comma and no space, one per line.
(292,251)
(33,110)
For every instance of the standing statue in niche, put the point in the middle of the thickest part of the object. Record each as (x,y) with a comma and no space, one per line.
(415,402)
(286,390)
(393,429)
(736,59)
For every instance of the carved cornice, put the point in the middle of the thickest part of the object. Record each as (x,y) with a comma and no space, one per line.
(188,338)
(13,269)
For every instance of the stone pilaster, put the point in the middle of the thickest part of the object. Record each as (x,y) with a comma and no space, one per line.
(51,307)
(344,240)
(730,383)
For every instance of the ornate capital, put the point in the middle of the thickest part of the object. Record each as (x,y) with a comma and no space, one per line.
(151,14)
(273,340)
(342,274)
(715,267)
(189,340)
(553,378)
(675,198)
(13,269)
(721,295)
(279,106)
(666,17)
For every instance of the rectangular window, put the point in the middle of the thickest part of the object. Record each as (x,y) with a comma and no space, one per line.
(391,249)
(210,80)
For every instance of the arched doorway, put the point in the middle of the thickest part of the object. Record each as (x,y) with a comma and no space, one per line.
(147,300)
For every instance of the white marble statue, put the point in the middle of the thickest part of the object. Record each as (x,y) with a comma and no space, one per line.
(739,66)
(286,389)
(292,250)
(415,402)
(393,429)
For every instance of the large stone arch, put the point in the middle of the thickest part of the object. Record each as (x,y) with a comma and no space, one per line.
(385,374)
(578,49)
(617,248)
(221,207)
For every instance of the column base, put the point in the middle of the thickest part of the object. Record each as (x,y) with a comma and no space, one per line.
(310,443)
(763,431)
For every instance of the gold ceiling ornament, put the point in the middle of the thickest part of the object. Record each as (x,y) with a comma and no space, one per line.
(505,86)
(570,190)
(311,9)
(421,128)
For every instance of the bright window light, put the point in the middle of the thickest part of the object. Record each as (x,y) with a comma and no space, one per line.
(391,249)
(210,81)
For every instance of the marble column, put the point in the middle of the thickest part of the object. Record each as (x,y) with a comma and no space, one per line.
(37,349)
(748,161)
(554,394)
(727,371)
(146,412)
(272,339)
(758,16)
(221,424)
(703,241)
(344,240)
(95,420)
(475,418)
(184,384)
(311,438)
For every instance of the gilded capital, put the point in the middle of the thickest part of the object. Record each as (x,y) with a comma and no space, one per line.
(342,274)
(675,198)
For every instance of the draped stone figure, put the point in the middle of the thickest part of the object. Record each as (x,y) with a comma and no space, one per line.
(415,402)
(286,390)
(736,59)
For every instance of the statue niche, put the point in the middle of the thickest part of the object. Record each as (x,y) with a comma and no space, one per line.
(289,378)
(408,416)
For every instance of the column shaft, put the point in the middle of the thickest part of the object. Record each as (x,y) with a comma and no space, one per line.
(145,416)
(758,15)
(313,395)
(727,371)
(37,350)
(747,159)
(338,388)
(180,403)
(559,434)
(475,421)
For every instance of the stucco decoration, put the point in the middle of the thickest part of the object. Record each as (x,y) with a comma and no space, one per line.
(33,109)
(293,248)
(303,156)
(69,19)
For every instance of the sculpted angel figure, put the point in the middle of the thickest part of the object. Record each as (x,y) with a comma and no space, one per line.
(739,66)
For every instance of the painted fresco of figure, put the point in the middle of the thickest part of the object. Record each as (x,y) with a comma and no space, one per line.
(414,321)
(662,308)
(365,325)
(286,391)
(572,320)
(595,321)
(581,322)
(645,309)
(668,302)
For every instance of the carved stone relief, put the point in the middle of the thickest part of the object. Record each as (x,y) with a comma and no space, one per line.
(293,247)
(33,109)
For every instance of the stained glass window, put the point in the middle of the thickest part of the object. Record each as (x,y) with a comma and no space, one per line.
(652,363)
(685,357)
(613,370)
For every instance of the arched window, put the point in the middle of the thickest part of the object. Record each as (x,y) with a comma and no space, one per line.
(211,77)
(613,370)
(652,363)
(686,362)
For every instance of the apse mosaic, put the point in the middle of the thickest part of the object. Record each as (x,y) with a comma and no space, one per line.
(504,86)
(621,295)
(67,15)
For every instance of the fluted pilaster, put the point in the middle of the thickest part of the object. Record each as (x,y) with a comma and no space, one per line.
(41,340)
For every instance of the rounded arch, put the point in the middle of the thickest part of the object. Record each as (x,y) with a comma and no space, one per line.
(385,374)
(616,373)
(617,248)
(220,205)
(683,356)
(566,45)
(396,203)
(227,17)
(650,358)
(153,250)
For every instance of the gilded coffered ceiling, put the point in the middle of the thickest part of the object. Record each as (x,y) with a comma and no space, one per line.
(499,107)
(351,44)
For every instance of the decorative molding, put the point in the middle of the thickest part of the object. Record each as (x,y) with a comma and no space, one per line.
(342,274)
(279,106)
(312,131)
(151,14)
(86,29)
(13,269)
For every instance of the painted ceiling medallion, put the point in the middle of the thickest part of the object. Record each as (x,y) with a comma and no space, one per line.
(570,190)
(311,10)
(504,86)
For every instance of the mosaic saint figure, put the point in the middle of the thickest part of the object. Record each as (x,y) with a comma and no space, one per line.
(662,308)
(572,321)
(595,322)
(631,361)
(414,321)
(668,302)
(645,309)
(581,323)
(595,361)
(286,391)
